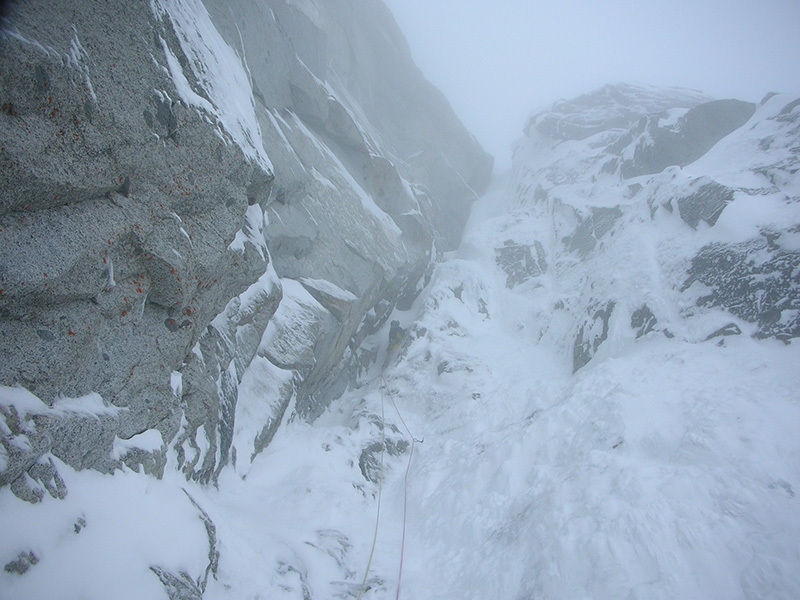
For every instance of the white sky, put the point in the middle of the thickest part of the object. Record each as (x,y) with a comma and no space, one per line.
(498,60)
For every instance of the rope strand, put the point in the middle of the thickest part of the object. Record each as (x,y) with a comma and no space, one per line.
(380,493)
(414,441)
(405,512)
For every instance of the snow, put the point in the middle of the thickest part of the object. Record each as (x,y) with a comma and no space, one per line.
(149,441)
(100,541)
(328,288)
(91,405)
(176,383)
(79,58)
(220,72)
(21,399)
(252,232)
(257,405)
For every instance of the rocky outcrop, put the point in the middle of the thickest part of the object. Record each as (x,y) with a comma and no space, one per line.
(157,188)
(653,208)
(754,280)
(608,108)
(662,143)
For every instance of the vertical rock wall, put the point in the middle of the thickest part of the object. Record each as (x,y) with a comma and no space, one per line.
(162,168)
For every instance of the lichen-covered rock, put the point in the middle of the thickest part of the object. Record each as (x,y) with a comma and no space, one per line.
(119,204)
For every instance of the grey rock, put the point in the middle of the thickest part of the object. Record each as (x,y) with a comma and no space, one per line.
(337,301)
(28,468)
(45,472)
(591,334)
(132,226)
(389,442)
(213,551)
(725,331)
(591,228)
(756,281)
(369,461)
(178,587)
(611,107)
(300,325)
(706,204)
(519,263)
(82,440)
(643,321)
(694,135)
(23,562)
(347,73)
(285,394)
(79,525)
(25,488)
(23,443)
(113,229)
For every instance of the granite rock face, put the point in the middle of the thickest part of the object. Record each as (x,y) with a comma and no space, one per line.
(163,168)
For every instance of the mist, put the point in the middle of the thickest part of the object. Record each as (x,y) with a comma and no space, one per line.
(499,60)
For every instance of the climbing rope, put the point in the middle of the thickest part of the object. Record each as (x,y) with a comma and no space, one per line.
(405,512)
(380,493)
(414,441)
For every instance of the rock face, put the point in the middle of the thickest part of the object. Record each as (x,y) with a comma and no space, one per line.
(164,168)
(697,198)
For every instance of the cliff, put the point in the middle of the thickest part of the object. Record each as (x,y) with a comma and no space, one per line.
(173,174)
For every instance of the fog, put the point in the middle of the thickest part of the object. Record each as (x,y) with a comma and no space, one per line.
(498,60)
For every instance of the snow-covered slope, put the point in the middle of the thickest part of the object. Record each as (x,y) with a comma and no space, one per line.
(606,378)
